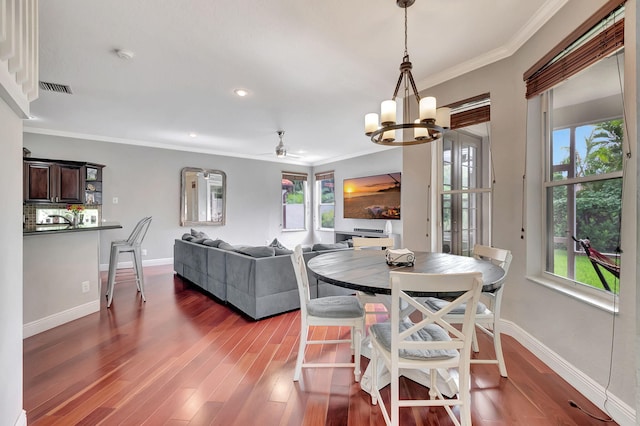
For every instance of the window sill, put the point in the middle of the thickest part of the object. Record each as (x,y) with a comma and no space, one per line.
(601,300)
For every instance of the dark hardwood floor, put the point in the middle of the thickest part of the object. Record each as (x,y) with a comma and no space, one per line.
(181,358)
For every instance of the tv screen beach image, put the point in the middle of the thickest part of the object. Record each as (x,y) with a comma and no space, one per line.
(372,197)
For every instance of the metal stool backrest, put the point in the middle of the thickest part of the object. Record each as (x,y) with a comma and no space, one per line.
(139,232)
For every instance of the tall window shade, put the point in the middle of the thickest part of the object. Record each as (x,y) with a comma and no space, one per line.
(601,35)
(470,111)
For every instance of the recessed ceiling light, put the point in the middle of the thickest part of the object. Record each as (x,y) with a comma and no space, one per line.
(193,134)
(241,92)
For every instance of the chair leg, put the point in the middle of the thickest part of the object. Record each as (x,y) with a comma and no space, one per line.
(137,259)
(304,331)
(465,397)
(113,265)
(474,342)
(497,344)
(357,341)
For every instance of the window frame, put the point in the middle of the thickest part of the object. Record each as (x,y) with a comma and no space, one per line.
(548,182)
(298,176)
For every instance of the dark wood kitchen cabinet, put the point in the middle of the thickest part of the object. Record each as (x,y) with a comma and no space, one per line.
(48,181)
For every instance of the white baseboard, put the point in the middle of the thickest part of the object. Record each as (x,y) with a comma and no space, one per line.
(47,323)
(150,262)
(622,413)
(22,419)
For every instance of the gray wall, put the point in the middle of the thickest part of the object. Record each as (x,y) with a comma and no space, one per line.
(579,333)
(146,181)
(10,267)
(387,161)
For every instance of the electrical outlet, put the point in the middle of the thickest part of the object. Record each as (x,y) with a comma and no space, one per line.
(115,200)
(86,286)
(144,252)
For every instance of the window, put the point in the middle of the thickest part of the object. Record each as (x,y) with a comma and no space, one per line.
(294,201)
(583,182)
(325,200)
(576,91)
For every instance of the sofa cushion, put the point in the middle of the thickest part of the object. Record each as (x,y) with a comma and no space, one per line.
(282,251)
(334,246)
(212,243)
(259,251)
(226,246)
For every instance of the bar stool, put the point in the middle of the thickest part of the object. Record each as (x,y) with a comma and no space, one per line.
(130,245)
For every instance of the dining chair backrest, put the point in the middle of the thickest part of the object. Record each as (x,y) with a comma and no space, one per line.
(360,242)
(302,278)
(497,256)
(469,284)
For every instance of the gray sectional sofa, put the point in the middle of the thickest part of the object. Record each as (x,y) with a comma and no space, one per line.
(253,279)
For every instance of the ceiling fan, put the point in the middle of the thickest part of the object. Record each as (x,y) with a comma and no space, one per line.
(281,149)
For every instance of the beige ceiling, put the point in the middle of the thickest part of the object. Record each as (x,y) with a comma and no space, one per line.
(313,67)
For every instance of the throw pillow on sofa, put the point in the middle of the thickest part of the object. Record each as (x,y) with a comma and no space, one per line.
(277,244)
(199,234)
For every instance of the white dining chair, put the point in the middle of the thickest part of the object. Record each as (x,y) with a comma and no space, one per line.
(430,344)
(488,314)
(130,245)
(344,311)
(381,243)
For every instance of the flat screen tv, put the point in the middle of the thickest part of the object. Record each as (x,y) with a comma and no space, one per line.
(372,197)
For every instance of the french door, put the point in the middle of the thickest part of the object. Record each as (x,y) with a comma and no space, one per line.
(464,201)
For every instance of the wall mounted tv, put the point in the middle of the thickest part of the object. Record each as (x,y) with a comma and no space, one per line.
(372,197)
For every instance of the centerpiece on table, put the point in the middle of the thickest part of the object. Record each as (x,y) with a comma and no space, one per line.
(77,215)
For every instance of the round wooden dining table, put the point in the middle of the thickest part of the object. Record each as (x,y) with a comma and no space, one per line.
(367,270)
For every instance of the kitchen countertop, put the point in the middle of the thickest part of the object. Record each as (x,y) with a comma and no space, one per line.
(59,228)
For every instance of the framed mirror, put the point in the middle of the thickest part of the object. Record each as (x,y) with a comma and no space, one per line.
(202,197)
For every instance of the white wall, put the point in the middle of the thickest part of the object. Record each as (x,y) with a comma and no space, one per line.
(11,268)
(576,333)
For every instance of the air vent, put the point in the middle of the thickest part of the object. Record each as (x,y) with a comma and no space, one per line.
(55,87)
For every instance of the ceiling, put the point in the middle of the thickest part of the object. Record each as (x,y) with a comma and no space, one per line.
(312,68)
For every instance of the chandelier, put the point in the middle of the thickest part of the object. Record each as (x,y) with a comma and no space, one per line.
(432,121)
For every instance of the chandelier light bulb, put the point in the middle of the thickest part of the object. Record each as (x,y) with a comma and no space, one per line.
(370,123)
(388,112)
(428,108)
(443,117)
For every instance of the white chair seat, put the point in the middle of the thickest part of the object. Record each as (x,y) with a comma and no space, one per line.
(335,307)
